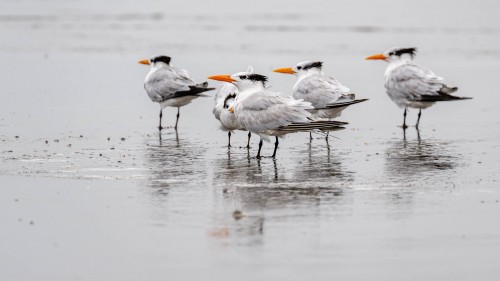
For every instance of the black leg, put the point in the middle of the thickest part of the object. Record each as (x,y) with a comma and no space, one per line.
(418,120)
(404,120)
(275,147)
(178,114)
(310,137)
(248,143)
(260,146)
(161,114)
(229,139)
(327,134)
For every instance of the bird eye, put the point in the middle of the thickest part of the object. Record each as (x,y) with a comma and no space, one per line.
(299,67)
(391,53)
(244,77)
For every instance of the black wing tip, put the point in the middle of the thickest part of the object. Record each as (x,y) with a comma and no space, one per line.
(314,125)
(442,97)
(329,122)
(198,88)
(193,91)
(341,104)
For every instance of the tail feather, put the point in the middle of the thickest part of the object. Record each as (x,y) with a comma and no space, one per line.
(448,90)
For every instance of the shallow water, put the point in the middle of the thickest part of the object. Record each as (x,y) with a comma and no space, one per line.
(90,192)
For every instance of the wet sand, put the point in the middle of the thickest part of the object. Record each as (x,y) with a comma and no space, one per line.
(90,192)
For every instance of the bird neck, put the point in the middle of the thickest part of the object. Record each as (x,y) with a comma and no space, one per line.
(308,73)
(311,71)
(253,87)
(155,67)
(393,64)
(245,92)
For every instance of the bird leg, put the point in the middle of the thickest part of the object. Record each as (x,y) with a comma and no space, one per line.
(248,143)
(161,114)
(327,133)
(310,137)
(404,120)
(275,147)
(229,139)
(418,119)
(178,114)
(260,146)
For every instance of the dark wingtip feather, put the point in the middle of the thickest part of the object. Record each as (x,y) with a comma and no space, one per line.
(314,125)
(442,97)
(347,103)
(193,91)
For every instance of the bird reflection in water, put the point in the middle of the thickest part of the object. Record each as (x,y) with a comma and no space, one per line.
(173,162)
(415,159)
(160,136)
(258,190)
(323,167)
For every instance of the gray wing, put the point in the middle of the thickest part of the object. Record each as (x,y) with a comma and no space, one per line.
(319,90)
(411,82)
(269,110)
(164,83)
(338,86)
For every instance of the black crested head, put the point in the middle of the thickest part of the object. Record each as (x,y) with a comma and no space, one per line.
(164,59)
(230,96)
(314,64)
(255,77)
(400,51)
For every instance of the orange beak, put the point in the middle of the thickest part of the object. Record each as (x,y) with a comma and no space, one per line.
(376,57)
(231,109)
(225,78)
(287,70)
(144,62)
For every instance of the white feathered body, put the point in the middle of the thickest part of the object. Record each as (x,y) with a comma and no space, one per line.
(321,91)
(407,83)
(163,82)
(263,112)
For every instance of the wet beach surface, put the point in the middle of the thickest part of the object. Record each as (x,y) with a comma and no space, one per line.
(89,191)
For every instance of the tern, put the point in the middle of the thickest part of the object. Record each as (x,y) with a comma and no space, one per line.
(267,113)
(410,85)
(170,86)
(328,96)
(224,99)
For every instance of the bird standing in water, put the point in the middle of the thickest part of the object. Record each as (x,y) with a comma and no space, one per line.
(267,113)
(410,85)
(170,86)
(224,99)
(328,96)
